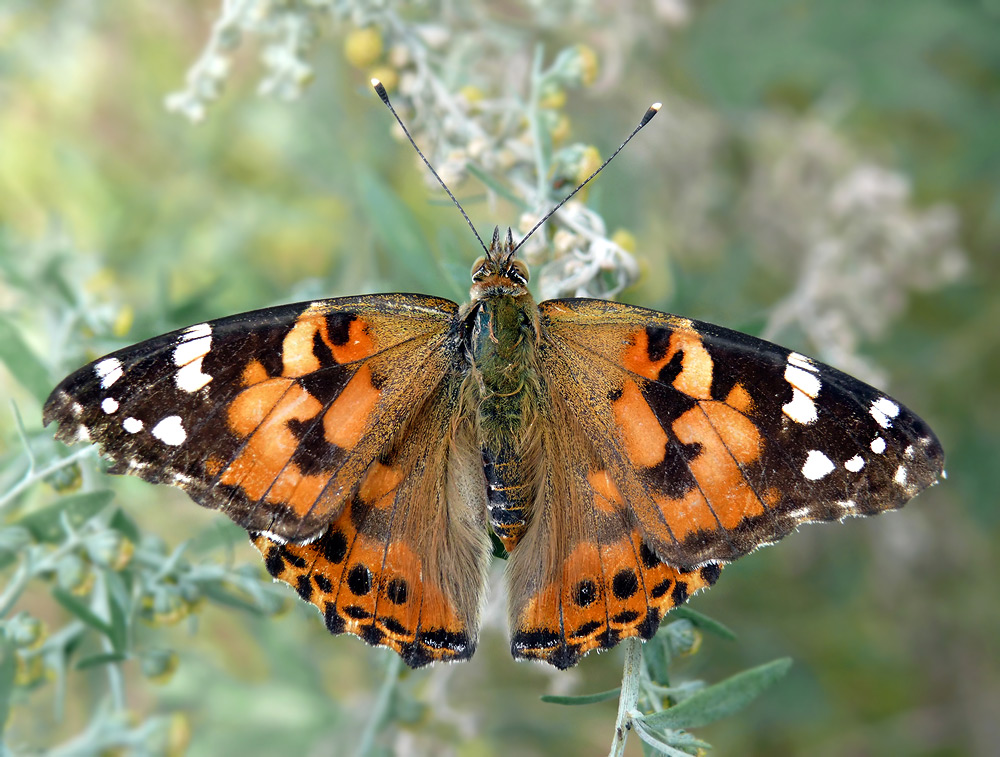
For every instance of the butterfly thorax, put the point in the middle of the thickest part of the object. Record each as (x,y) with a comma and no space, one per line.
(503,386)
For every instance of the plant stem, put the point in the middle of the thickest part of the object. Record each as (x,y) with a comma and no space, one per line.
(629,696)
(380,705)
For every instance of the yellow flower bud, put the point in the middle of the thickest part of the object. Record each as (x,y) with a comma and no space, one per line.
(471,93)
(560,129)
(554,98)
(123,321)
(363,47)
(590,161)
(625,239)
(588,64)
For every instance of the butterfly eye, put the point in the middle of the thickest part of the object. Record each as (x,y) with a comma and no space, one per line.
(520,270)
(478,269)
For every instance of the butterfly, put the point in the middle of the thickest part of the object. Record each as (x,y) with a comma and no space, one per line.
(375,446)
(371,444)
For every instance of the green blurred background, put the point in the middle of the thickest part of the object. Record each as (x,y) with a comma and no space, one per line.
(893,623)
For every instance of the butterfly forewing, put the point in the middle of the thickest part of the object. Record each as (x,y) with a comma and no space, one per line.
(270,416)
(721,442)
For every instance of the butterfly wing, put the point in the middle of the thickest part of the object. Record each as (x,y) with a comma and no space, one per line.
(271,417)
(404,564)
(720,442)
(582,577)
(671,447)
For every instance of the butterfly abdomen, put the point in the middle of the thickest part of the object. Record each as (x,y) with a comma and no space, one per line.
(502,344)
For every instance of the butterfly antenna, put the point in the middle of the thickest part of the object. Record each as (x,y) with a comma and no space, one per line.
(380,90)
(651,111)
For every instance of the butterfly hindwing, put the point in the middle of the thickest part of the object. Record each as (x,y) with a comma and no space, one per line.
(721,442)
(582,577)
(404,564)
(270,416)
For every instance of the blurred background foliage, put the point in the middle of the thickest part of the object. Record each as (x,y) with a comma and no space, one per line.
(824,173)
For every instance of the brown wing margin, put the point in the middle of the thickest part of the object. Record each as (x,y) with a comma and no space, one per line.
(404,565)
(269,416)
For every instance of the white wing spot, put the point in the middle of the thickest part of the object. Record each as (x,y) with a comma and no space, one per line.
(883,410)
(82,434)
(878,445)
(855,464)
(194,344)
(109,371)
(900,477)
(801,409)
(170,431)
(817,465)
(197,331)
(801,361)
(804,380)
(801,514)
(847,505)
(109,405)
(908,452)
(191,378)
(132,425)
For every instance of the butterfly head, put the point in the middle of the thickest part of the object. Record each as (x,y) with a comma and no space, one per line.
(498,272)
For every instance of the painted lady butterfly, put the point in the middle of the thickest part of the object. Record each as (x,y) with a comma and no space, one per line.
(621,455)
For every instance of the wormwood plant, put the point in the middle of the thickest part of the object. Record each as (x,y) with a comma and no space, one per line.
(71,555)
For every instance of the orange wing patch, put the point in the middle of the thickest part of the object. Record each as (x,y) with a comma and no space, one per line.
(601,595)
(308,421)
(373,591)
(403,564)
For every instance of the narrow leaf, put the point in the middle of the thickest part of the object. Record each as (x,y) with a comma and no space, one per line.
(221,596)
(703,622)
(602,696)
(118,624)
(45,524)
(81,611)
(656,740)
(22,362)
(8,669)
(495,186)
(397,229)
(125,526)
(721,699)
(105,658)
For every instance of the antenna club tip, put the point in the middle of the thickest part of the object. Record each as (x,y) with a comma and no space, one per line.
(380,90)
(650,112)
(656,106)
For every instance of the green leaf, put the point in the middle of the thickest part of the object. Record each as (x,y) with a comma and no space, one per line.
(45,524)
(495,186)
(219,595)
(105,658)
(221,533)
(602,696)
(397,229)
(8,669)
(22,362)
(703,622)
(721,699)
(119,622)
(126,526)
(81,611)
(657,740)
